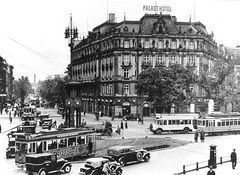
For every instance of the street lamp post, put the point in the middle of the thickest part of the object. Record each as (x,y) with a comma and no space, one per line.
(72,102)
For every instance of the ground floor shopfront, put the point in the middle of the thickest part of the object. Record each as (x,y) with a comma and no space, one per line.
(117,106)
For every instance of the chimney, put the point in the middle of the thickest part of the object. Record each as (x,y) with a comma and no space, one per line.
(111,17)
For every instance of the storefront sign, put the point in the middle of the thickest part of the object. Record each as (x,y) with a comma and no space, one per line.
(156,8)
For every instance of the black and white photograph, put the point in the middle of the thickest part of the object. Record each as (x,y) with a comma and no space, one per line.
(119,87)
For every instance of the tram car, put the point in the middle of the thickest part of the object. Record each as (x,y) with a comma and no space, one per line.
(219,124)
(67,143)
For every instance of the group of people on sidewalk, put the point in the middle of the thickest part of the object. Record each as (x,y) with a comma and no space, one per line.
(202,136)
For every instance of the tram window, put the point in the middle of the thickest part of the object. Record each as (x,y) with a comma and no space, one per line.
(173,122)
(204,123)
(189,122)
(165,122)
(177,122)
(81,140)
(183,122)
(52,144)
(231,121)
(72,141)
(32,148)
(227,122)
(218,123)
(62,143)
(169,122)
(238,122)
(44,146)
(235,122)
(223,122)
(39,147)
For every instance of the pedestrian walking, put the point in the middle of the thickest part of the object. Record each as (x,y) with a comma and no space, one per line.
(121,125)
(196,136)
(202,136)
(211,172)
(234,159)
(84,113)
(0,128)
(126,125)
(10,117)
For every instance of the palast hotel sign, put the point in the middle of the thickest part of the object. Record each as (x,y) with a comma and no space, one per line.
(156,8)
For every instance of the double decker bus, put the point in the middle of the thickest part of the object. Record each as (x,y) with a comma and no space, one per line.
(66,143)
(174,123)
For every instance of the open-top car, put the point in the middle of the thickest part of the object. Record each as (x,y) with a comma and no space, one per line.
(45,163)
(95,166)
(127,154)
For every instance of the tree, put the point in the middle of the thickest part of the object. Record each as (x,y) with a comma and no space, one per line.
(166,85)
(229,92)
(211,81)
(53,89)
(22,87)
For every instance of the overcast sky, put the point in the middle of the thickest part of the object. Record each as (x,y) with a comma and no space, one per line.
(32,31)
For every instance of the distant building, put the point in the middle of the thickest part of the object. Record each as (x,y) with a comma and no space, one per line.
(6,82)
(107,63)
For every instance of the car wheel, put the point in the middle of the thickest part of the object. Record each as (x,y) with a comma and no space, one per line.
(158,131)
(139,156)
(146,158)
(67,169)
(43,172)
(119,172)
(122,162)
(186,130)
(94,173)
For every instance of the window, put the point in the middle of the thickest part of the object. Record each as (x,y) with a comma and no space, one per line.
(126,88)
(81,139)
(160,44)
(146,44)
(191,60)
(147,58)
(72,141)
(126,73)
(52,144)
(32,148)
(173,59)
(174,45)
(191,45)
(62,143)
(126,59)
(159,59)
(126,44)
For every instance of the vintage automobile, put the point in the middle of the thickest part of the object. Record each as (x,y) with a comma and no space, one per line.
(127,154)
(28,120)
(42,117)
(46,123)
(10,151)
(46,163)
(20,132)
(94,166)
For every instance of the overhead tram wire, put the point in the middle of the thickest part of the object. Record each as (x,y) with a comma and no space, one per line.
(46,58)
(23,66)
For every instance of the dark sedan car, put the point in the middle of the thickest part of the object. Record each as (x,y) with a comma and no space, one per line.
(127,154)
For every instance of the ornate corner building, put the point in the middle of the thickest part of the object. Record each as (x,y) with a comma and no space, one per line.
(106,63)
(6,82)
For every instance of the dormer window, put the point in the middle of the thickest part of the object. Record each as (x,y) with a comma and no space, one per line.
(125,29)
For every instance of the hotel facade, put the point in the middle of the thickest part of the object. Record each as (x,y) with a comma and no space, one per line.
(106,64)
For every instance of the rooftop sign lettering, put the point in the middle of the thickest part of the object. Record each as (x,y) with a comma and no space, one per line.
(157,8)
